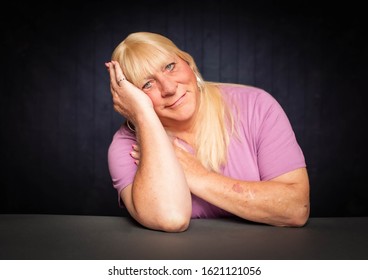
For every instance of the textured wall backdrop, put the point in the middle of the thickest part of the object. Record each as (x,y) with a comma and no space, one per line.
(57,118)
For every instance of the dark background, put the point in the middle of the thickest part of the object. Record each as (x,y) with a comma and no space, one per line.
(57,119)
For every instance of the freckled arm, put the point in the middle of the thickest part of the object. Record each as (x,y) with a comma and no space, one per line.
(282,201)
(159,197)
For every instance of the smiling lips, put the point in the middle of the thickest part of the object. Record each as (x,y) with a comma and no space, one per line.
(177,102)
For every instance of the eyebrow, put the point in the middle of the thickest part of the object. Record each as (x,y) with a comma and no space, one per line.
(175,59)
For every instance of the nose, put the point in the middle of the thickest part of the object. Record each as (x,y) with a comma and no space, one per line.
(168,86)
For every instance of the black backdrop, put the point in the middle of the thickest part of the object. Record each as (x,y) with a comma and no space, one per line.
(57,118)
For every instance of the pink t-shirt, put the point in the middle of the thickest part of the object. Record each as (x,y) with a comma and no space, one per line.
(264,148)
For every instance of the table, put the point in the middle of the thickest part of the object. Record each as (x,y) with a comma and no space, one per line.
(76,237)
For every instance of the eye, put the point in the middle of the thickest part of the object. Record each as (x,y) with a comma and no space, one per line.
(170,66)
(147,85)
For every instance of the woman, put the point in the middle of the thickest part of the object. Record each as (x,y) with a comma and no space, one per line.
(197,149)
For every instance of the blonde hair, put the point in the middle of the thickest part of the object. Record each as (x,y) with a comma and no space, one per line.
(141,54)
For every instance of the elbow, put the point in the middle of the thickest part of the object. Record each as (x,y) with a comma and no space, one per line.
(300,211)
(300,216)
(173,223)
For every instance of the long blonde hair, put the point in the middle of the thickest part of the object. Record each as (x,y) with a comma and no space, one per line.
(140,54)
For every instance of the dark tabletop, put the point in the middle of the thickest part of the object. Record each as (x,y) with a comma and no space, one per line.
(54,237)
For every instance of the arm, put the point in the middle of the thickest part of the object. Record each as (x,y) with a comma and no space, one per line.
(282,201)
(159,197)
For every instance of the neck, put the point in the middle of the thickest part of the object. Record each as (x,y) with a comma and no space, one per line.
(187,133)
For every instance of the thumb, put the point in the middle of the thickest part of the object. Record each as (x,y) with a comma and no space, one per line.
(179,144)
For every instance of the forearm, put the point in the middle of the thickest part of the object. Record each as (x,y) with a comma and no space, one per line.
(160,194)
(276,202)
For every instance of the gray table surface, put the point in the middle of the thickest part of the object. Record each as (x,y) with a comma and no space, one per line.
(73,237)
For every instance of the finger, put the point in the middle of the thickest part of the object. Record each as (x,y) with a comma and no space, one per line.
(111,70)
(116,74)
(119,76)
(134,155)
(115,96)
(108,65)
(179,145)
(135,147)
(120,81)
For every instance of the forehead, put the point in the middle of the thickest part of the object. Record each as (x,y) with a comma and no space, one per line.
(154,63)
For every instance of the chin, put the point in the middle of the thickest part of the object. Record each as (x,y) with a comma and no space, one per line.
(178,118)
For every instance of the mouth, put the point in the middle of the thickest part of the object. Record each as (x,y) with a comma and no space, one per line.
(177,102)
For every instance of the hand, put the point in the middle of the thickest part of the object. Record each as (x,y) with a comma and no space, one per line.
(135,153)
(128,100)
(192,167)
(194,171)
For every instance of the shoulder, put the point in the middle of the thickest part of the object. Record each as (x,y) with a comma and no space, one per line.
(123,138)
(244,92)
(246,96)
(124,132)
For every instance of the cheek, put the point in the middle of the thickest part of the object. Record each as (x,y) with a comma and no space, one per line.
(155,98)
(157,103)
(189,74)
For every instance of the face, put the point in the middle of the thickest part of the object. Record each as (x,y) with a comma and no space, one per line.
(174,92)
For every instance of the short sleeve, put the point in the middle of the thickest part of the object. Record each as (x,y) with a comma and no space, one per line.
(121,165)
(278,151)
